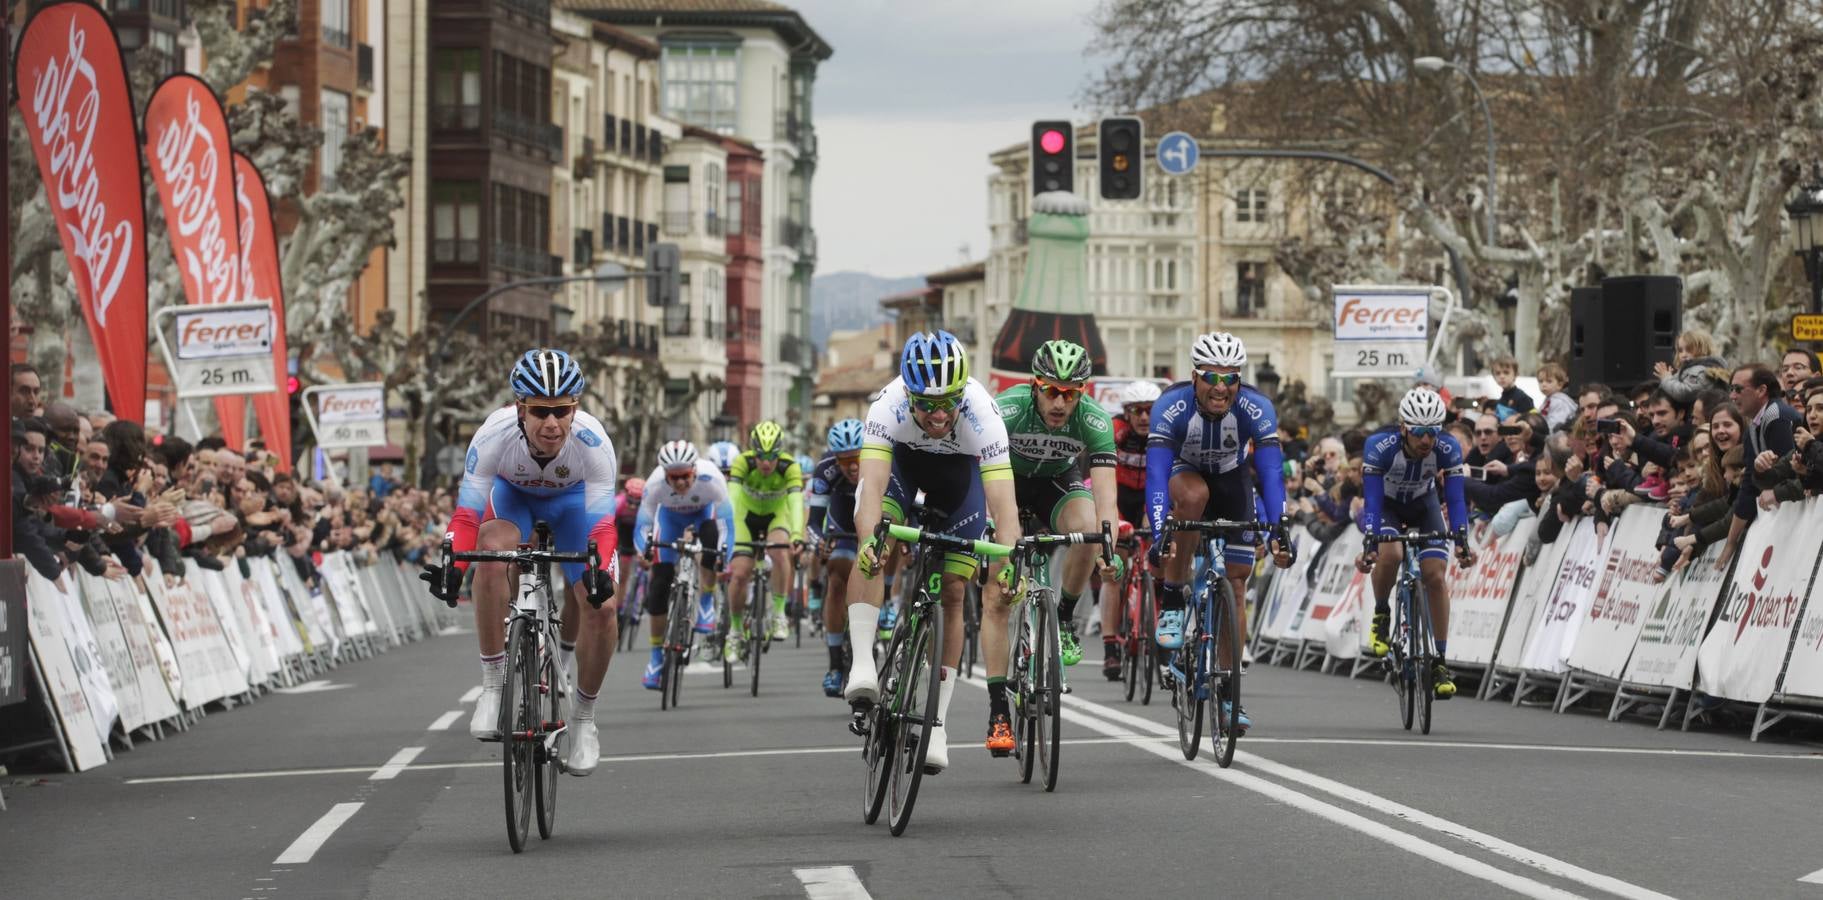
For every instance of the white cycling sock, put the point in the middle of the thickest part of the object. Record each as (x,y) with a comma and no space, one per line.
(863,624)
(944,690)
(585,706)
(567,651)
(493,671)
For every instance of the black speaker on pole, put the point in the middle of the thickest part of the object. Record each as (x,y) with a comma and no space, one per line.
(1618,331)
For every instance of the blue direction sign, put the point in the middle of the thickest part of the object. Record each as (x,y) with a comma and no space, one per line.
(1177,153)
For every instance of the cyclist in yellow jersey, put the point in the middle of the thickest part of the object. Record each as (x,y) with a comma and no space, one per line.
(767,490)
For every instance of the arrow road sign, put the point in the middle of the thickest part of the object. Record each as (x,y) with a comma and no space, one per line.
(1177,153)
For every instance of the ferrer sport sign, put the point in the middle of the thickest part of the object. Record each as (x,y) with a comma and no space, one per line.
(219,350)
(1381,330)
(347,415)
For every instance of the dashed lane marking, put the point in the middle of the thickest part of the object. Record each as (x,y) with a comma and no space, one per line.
(313,838)
(832,883)
(397,764)
(445,721)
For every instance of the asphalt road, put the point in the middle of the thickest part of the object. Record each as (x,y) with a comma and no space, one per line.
(735,796)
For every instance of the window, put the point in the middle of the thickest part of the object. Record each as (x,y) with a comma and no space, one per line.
(1249,288)
(336,28)
(712,200)
(713,301)
(1164,275)
(456,88)
(736,189)
(521,89)
(1250,205)
(455,222)
(701,84)
(335,131)
(677,199)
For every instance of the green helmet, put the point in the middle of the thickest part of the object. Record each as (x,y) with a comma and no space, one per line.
(1062,361)
(766,437)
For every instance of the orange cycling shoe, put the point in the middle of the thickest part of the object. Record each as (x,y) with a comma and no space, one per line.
(1000,735)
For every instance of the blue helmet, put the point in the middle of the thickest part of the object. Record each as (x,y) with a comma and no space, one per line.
(934,365)
(805,463)
(547,373)
(845,436)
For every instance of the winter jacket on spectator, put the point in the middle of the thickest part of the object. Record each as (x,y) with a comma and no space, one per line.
(1566,503)
(1692,379)
(1662,451)
(1520,483)
(1476,458)
(1770,430)
(1559,411)
(1514,400)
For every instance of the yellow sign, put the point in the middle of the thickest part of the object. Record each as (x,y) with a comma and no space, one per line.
(1807,327)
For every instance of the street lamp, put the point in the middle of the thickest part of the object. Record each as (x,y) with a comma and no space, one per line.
(1268,378)
(1438,64)
(1806,211)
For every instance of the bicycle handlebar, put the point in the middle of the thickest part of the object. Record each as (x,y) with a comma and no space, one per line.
(1411,537)
(1215,526)
(986,549)
(763,545)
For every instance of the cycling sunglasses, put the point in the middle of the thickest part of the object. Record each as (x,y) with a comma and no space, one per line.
(1055,391)
(935,404)
(546,412)
(766,455)
(1219,379)
(1423,431)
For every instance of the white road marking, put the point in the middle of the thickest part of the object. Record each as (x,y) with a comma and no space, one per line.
(832,883)
(308,843)
(1813,878)
(473,694)
(446,720)
(1487,842)
(314,687)
(397,764)
(1530,748)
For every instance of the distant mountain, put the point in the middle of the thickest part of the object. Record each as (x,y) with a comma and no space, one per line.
(843,301)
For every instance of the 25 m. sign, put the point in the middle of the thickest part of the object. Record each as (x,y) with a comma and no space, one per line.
(219,350)
(1381,330)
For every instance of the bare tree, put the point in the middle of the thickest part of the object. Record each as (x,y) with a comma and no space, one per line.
(1635,136)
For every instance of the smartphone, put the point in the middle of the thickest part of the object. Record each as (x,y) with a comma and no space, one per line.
(1461,403)
(1478,472)
(1510,430)
(1607,426)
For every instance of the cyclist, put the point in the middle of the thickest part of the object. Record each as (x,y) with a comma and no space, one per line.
(1400,466)
(541,459)
(626,512)
(1051,426)
(1130,433)
(810,602)
(933,429)
(689,498)
(1197,457)
(767,489)
(722,453)
(832,501)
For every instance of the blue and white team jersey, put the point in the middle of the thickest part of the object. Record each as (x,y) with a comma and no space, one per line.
(1184,439)
(705,500)
(1389,474)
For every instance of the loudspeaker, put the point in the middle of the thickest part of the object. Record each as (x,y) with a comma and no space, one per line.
(1620,330)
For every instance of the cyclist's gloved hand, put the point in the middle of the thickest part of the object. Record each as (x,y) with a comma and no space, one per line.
(1116,565)
(601,587)
(445,582)
(868,558)
(1011,582)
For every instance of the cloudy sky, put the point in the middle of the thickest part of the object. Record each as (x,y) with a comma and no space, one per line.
(908,109)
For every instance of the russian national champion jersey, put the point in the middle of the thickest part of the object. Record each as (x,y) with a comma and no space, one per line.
(499,450)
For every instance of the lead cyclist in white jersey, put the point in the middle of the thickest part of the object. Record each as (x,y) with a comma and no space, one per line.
(541,459)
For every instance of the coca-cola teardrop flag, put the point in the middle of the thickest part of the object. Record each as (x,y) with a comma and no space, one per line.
(260,275)
(78,116)
(193,169)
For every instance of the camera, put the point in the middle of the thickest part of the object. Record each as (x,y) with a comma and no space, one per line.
(1511,430)
(1607,426)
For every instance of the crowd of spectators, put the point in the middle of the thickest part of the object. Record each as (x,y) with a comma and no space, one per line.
(98,492)
(1714,445)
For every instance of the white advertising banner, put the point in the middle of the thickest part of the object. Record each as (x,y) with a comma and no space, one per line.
(1333,576)
(234,628)
(1289,588)
(349,415)
(1561,612)
(250,610)
(1665,655)
(1522,618)
(222,350)
(1479,596)
(1345,631)
(75,718)
(1745,650)
(85,652)
(210,669)
(1616,612)
(149,650)
(103,618)
(355,617)
(287,631)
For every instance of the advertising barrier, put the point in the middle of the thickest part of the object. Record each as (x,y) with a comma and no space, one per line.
(1479,595)
(1616,611)
(1745,651)
(1560,615)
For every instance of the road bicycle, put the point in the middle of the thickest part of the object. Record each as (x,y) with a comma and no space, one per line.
(533,732)
(1195,673)
(1412,662)
(897,728)
(633,605)
(1138,621)
(681,619)
(757,636)
(1035,666)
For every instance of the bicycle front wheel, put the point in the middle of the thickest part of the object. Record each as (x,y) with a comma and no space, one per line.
(1049,682)
(550,760)
(877,753)
(1404,668)
(1184,697)
(1148,646)
(1225,680)
(1425,685)
(518,712)
(1021,676)
(916,699)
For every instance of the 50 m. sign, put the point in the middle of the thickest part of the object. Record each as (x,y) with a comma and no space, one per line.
(218,350)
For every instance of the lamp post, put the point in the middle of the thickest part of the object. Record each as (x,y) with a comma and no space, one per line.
(1268,379)
(1806,211)
(1437,64)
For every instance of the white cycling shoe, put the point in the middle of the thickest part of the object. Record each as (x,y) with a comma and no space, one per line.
(587,750)
(781,627)
(485,725)
(863,680)
(936,759)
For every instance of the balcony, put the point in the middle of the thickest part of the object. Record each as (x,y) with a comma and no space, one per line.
(455,118)
(655,147)
(787,128)
(639,143)
(623,237)
(529,261)
(626,138)
(543,135)
(336,37)
(455,253)
(534,9)
(712,224)
(677,222)
(791,234)
(583,251)
(585,161)
(677,320)
(363,67)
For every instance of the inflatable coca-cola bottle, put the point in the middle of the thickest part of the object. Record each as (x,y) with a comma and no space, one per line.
(1053,301)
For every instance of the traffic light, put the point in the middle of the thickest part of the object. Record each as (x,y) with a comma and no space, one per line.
(664,288)
(1053,156)
(1120,144)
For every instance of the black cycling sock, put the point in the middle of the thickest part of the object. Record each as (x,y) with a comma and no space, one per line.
(1111,644)
(1066,606)
(996,698)
(835,657)
(1383,606)
(1170,596)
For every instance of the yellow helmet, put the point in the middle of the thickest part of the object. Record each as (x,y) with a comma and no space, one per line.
(766,438)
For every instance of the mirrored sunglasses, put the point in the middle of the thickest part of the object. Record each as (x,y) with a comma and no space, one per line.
(1424,430)
(1219,379)
(935,404)
(1054,391)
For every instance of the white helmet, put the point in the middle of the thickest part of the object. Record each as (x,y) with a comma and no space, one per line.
(1139,392)
(1422,406)
(722,453)
(1218,348)
(677,455)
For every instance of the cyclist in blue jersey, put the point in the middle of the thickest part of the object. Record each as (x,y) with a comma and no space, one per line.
(1400,467)
(832,510)
(1205,432)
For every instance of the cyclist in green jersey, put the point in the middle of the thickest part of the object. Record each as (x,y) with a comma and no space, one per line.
(1052,425)
(767,490)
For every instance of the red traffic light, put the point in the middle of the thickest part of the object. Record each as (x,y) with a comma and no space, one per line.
(291,384)
(1051,141)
